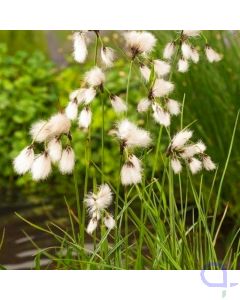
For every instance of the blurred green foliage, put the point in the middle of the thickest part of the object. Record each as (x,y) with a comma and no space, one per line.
(32,87)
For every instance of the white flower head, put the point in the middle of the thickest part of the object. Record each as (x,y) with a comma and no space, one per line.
(191,150)
(180,139)
(85,118)
(131,172)
(131,135)
(162,88)
(212,55)
(67,161)
(41,167)
(92,225)
(118,104)
(143,105)
(59,124)
(86,95)
(95,77)
(73,95)
(195,55)
(40,131)
(195,165)
(79,47)
(108,56)
(161,116)
(183,65)
(173,107)
(145,72)
(55,149)
(99,201)
(109,222)
(186,50)
(208,164)
(104,197)
(139,42)
(191,33)
(23,162)
(71,110)
(161,67)
(176,165)
(169,50)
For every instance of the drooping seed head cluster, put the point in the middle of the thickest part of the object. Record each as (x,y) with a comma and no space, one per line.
(97,205)
(48,133)
(131,137)
(182,150)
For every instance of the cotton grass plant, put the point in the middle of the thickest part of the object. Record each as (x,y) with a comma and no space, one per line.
(161,221)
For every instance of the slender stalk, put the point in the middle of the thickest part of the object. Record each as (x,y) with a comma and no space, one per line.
(126,227)
(102,137)
(87,158)
(128,81)
(157,152)
(116,235)
(78,201)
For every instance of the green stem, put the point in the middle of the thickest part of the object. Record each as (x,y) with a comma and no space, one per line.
(78,201)
(157,151)
(128,81)
(102,137)
(126,227)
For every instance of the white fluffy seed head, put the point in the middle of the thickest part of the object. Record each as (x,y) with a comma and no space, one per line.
(41,167)
(191,150)
(143,105)
(131,172)
(161,67)
(96,203)
(23,162)
(40,131)
(186,50)
(118,104)
(104,197)
(86,95)
(92,225)
(183,65)
(73,95)
(95,77)
(169,50)
(212,55)
(162,88)
(85,118)
(161,116)
(139,42)
(195,165)
(195,55)
(176,165)
(208,164)
(79,47)
(109,222)
(191,33)
(180,139)
(71,110)
(173,107)
(145,72)
(59,124)
(67,161)
(131,135)
(55,149)
(107,56)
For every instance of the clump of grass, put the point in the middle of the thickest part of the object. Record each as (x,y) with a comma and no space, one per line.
(161,222)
